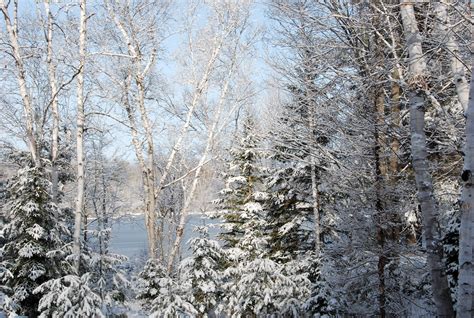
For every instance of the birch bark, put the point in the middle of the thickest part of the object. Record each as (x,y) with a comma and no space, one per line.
(54,103)
(451,46)
(466,231)
(12,30)
(138,73)
(80,138)
(197,174)
(424,182)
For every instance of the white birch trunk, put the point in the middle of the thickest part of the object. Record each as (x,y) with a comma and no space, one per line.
(315,194)
(424,182)
(449,41)
(80,137)
(147,165)
(198,93)
(12,30)
(189,198)
(54,104)
(314,178)
(149,169)
(466,231)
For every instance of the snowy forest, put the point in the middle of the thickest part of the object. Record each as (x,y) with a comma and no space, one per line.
(326,147)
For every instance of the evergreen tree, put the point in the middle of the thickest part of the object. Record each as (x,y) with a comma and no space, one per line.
(34,251)
(290,211)
(295,160)
(451,252)
(320,301)
(243,185)
(255,285)
(69,296)
(148,284)
(161,295)
(171,300)
(203,271)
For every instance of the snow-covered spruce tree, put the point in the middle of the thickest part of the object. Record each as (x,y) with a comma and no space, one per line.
(451,252)
(148,283)
(243,183)
(203,270)
(262,288)
(34,250)
(161,295)
(289,211)
(297,204)
(255,285)
(171,302)
(108,281)
(320,300)
(69,296)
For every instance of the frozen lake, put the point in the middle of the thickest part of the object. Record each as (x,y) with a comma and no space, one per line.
(129,234)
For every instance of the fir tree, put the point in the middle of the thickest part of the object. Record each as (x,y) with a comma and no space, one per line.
(203,271)
(34,251)
(69,296)
(148,284)
(294,142)
(290,211)
(319,302)
(255,285)
(261,287)
(243,185)
(161,295)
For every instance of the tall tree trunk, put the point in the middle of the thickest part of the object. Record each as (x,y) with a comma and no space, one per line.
(12,30)
(314,175)
(147,187)
(424,182)
(380,176)
(54,104)
(448,39)
(80,137)
(395,124)
(197,174)
(466,231)
(150,170)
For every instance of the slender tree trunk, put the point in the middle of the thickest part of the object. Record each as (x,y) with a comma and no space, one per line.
(448,39)
(54,104)
(198,93)
(380,176)
(149,221)
(424,182)
(466,231)
(395,124)
(12,30)
(80,137)
(314,176)
(150,171)
(197,173)
(315,198)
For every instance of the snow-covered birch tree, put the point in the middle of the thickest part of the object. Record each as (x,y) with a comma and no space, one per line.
(429,209)
(227,32)
(466,234)
(80,137)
